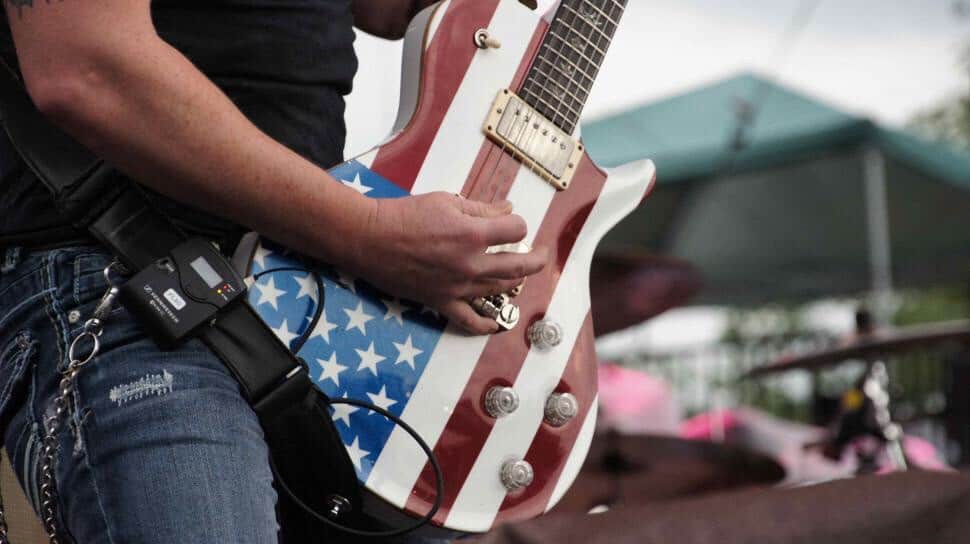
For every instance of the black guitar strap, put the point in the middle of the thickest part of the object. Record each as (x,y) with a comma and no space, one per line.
(305,446)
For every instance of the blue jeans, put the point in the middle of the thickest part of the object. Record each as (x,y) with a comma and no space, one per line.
(160,446)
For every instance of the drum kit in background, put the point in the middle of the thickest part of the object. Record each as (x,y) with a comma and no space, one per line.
(646,473)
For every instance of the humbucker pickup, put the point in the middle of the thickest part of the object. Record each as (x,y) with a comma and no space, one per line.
(533,139)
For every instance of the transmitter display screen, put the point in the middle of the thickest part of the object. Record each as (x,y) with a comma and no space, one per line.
(206,272)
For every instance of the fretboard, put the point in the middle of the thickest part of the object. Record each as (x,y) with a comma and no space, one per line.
(569,58)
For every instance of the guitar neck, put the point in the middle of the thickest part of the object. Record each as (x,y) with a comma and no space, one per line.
(569,59)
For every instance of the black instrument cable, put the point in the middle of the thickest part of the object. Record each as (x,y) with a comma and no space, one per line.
(432,458)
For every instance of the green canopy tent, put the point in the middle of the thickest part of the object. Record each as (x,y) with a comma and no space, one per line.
(776,196)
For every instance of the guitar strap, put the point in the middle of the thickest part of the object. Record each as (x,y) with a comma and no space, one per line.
(302,439)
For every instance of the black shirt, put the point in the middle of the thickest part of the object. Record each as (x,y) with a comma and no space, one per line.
(285,64)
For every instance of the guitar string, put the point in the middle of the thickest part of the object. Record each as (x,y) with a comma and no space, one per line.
(534,70)
(531,75)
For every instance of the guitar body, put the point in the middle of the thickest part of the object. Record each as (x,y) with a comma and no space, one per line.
(406,358)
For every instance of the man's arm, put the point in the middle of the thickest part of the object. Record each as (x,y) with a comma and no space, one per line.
(387,18)
(100,72)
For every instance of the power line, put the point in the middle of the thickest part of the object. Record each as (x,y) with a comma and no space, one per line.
(747,110)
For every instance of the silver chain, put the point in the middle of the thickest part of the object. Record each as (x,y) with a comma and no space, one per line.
(82,351)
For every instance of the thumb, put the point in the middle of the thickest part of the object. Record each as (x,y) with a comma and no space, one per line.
(486,209)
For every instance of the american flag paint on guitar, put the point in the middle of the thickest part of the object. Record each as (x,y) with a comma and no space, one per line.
(406,358)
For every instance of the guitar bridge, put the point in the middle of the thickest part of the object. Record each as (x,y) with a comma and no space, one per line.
(499,308)
(533,139)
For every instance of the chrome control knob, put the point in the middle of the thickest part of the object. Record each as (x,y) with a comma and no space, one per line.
(517,474)
(501,401)
(561,408)
(545,334)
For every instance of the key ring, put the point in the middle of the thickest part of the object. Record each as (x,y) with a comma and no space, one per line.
(95,347)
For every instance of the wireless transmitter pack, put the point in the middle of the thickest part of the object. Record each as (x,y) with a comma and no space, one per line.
(175,295)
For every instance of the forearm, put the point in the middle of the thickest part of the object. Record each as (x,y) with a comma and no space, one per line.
(146,109)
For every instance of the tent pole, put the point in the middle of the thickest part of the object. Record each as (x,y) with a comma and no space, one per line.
(877,219)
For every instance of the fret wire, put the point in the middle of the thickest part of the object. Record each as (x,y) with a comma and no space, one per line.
(570,21)
(558,69)
(571,81)
(577,51)
(578,15)
(586,22)
(610,31)
(549,112)
(576,68)
(570,108)
(534,87)
(561,97)
(565,90)
(573,107)
(615,22)
(564,86)
(572,30)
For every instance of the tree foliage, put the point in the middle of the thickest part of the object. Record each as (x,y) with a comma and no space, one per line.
(949,120)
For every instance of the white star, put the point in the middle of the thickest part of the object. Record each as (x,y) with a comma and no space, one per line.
(406,352)
(260,255)
(323,328)
(358,318)
(269,293)
(347,281)
(308,287)
(284,334)
(357,185)
(381,400)
(341,412)
(355,453)
(395,310)
(330,369)
(369,359)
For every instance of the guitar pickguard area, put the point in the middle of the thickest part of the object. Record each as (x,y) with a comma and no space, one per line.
(533,139)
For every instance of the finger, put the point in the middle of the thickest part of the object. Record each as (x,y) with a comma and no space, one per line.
(476,208)
(461,313)
(507,229)
(492,286)
(511,266)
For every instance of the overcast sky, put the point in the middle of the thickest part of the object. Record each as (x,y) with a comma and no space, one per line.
(883,59)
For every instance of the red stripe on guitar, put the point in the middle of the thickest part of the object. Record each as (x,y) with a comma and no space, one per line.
(444,65)
(492,164)
(551,446)
(502,358)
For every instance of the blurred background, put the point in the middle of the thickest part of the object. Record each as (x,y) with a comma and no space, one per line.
(813,167)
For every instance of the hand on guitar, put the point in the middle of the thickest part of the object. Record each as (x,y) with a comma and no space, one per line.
(437,245)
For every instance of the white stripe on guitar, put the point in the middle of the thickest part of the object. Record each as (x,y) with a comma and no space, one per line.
(436,21)
(576,457)
(446,168)
(482,492)
(460,135)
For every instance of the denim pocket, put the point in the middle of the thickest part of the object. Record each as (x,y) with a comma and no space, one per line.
(13,366)
(89,282)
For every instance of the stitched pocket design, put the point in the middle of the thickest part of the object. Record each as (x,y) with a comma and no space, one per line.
(13,366)
(89,283)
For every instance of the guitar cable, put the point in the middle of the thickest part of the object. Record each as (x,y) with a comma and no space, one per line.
(429,454)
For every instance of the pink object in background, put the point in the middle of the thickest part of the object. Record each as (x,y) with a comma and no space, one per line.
(786,441)
(633,402)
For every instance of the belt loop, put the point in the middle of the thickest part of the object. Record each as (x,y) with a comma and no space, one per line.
(11,259)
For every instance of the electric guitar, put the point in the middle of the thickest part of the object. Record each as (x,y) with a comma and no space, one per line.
(490,106)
